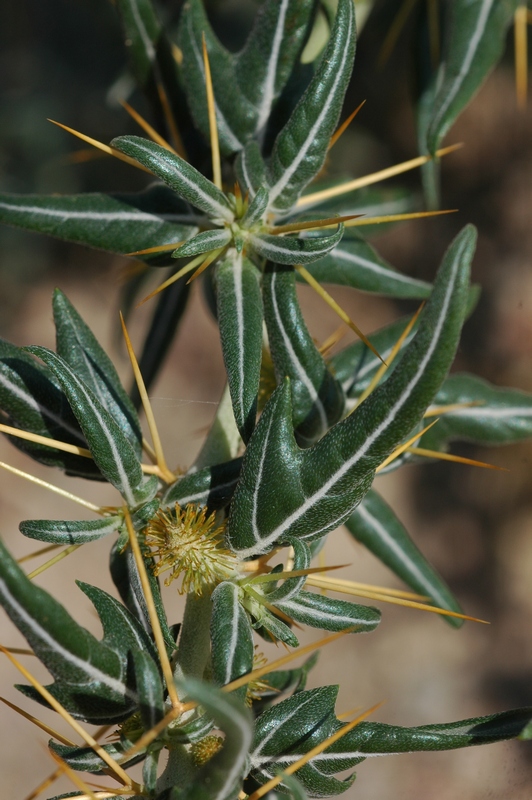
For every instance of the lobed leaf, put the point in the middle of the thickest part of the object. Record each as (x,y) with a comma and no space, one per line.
(90,676)
(374,524)
(310,492)
(31,400)
(110,449)
(77,345)
(317,398)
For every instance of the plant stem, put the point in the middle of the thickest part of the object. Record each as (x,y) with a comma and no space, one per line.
(194,640)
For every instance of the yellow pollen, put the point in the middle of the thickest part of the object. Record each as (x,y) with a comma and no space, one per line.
(187,542)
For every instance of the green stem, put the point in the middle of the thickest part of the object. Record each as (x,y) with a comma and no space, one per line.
(193,649)
(223,440)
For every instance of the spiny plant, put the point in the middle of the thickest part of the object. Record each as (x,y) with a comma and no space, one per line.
(298,438)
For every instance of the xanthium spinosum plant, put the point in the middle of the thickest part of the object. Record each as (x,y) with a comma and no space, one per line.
(298,438)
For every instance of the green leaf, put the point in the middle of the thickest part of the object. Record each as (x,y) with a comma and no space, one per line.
(125,576)
(375,525)
(234,114)
(118,223)
(269,55)
(240,319)
(301,146)
(221,777)
(289,730)
(256,208)
(250,169)
(353,262)
(203,242)
(292,586)
(180,176)
(31,400)
(474,43)
(356,365)
(210,486)
(271,628)
(317,398)
(84,759)
(149,689)
(330,614)
(110,449)
(231,637)
(92,672)
(283,682)
(142,32)
(293,249)
(70,531)
(121,630)
(78,346)
(310,492)
(501,416)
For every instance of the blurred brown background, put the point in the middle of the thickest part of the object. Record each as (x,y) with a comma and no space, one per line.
(58,59)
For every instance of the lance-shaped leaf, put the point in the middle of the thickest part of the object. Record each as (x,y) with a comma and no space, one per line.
(292,586)
(317,397)
(234,114)
(310,492)
(330,614)
(142,32)
(77,345)
(353,262)
(87,672)
(180,176)
(231,637)
(287,731)
(295,726)
(203,242)
(121,630)
(300,147)
(498,415)
(118,223)
(110,449)
(266,62)
(256,208)
(239,307)
(374,524)
(273,629)
(220,778)
(31,400)
(293,249)
(250,169)
(474,43)
(125,576)
(69,532)
(210,486)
